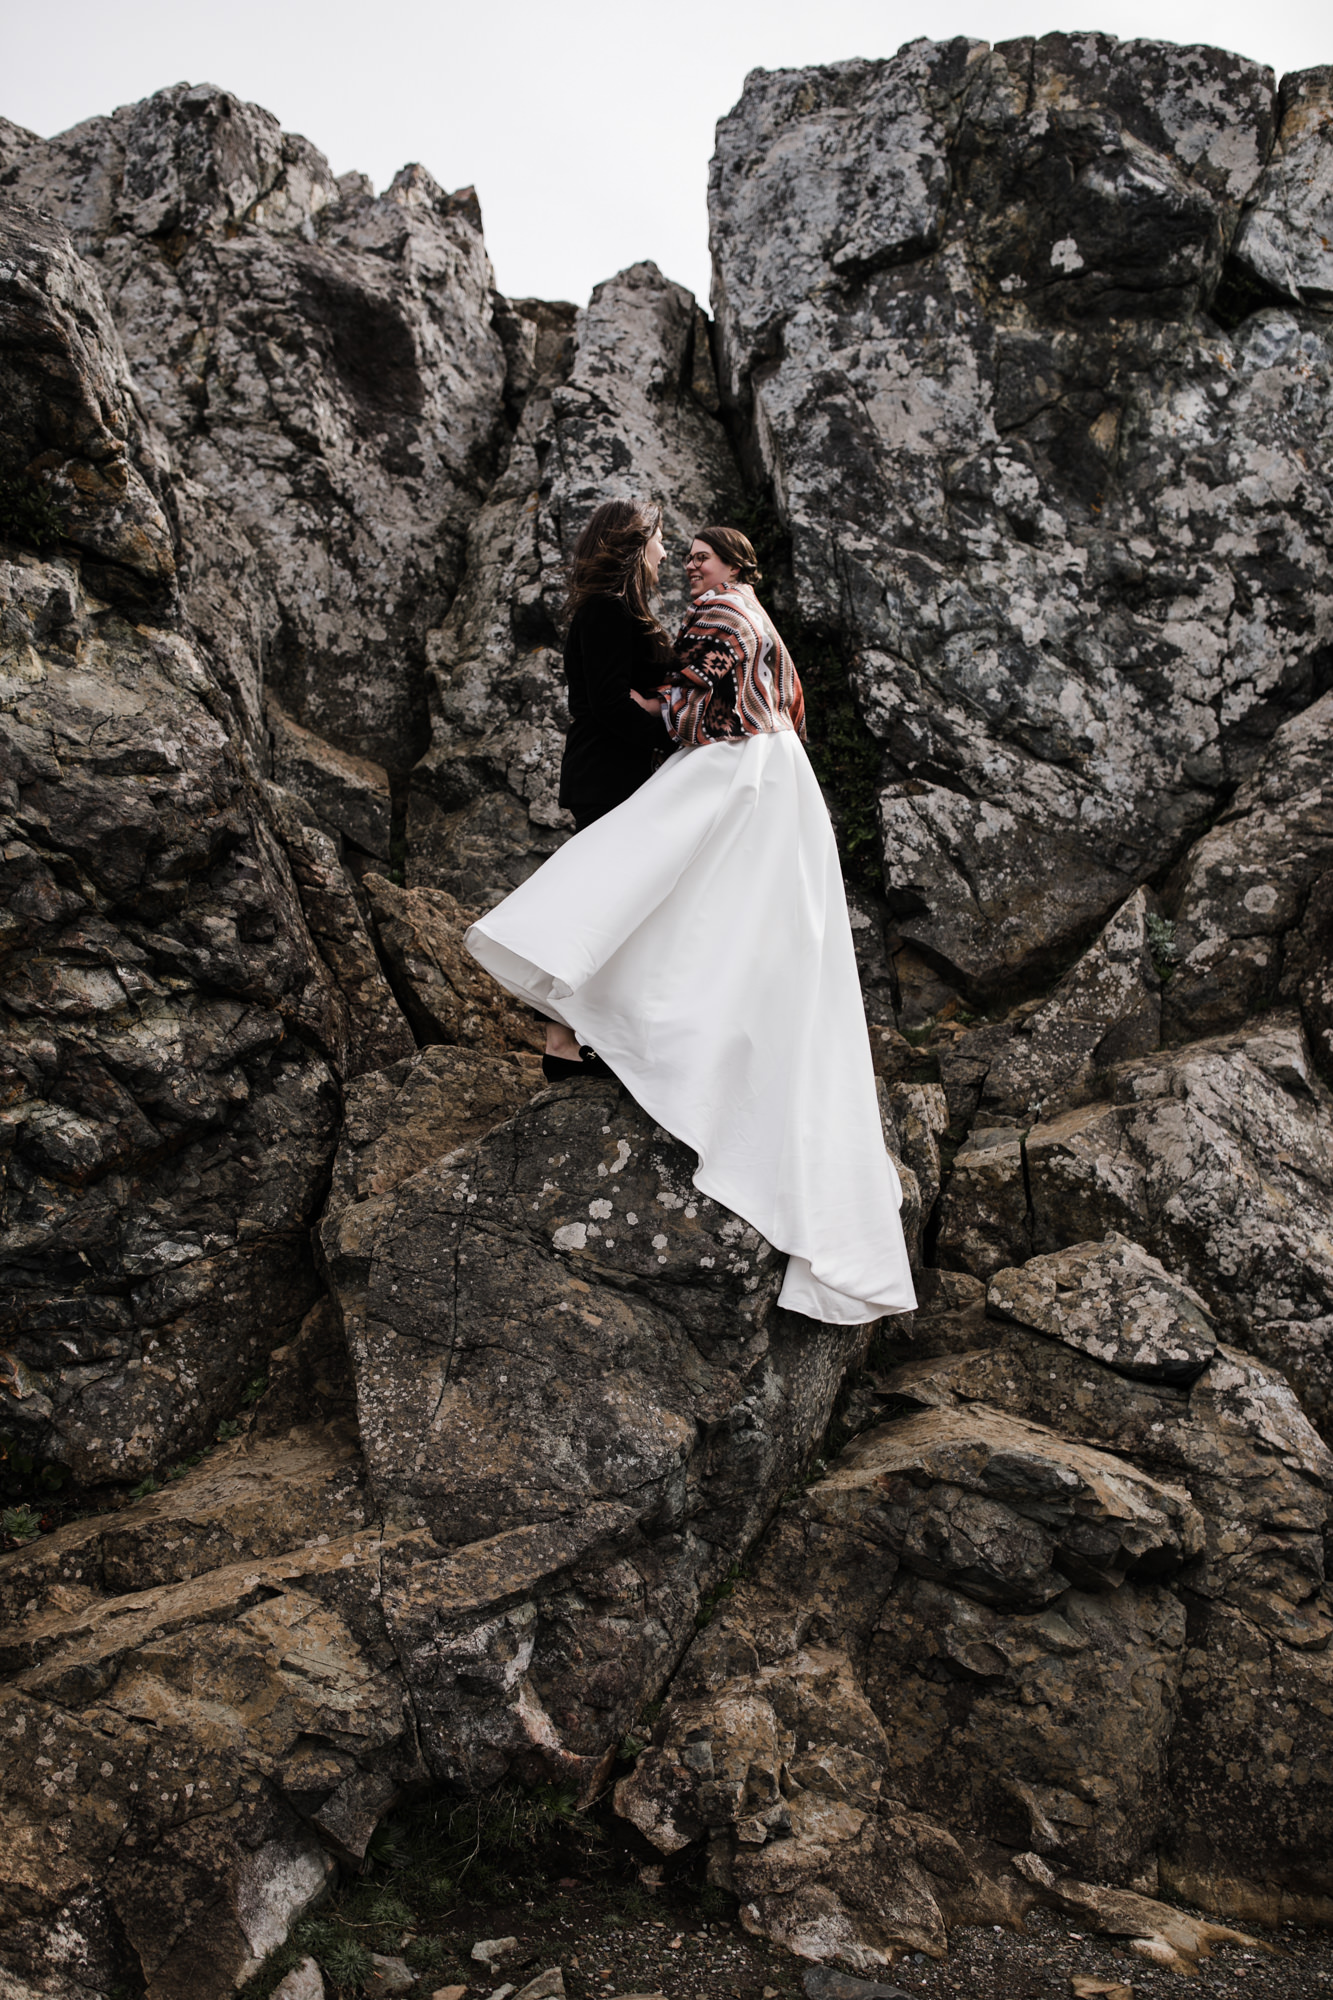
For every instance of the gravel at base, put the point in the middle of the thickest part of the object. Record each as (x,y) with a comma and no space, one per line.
(605,1955)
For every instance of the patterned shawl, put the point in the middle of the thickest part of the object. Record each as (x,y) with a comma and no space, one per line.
(733,676)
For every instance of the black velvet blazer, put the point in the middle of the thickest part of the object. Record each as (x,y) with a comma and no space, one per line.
(612,745)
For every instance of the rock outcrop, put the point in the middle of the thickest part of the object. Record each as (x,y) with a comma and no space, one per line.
(983,1641)
(574,1382)
(1253,904)
(619,398)
(201,1712)
(1065,512)
(172,1035)
(1024,380)
(324,369)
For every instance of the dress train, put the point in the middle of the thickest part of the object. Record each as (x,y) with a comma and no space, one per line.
(697,937)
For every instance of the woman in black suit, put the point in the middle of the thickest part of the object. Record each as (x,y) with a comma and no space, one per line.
(616,657)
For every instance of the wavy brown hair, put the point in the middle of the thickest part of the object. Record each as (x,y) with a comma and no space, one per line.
(735,549)
(610,560)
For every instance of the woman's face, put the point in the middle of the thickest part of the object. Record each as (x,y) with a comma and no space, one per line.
(653,551)
(706,570)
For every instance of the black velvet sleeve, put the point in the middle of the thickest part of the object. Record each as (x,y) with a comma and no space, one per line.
(615,655)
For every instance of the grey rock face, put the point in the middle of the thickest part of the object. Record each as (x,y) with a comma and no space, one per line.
(169,1035)
(71,418)
(1248,898)
(972,1630)
(324,370)
(1113,1301)
(973,356)
(1215,1158)
(446,994)
(172,1035)
(616,399)
(368,1026)
(347,796)
(1105,1009)
(915,1631)
(1286,237)
(1072,532)
(1237,1440)
(200,1712)
(571,1373)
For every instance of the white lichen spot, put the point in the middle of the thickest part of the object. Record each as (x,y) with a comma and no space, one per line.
(632,1219)
(601,1209)
(1065,255)
(659,1243)
(572,1236)
(690,1211)
(622,1155)
(1261,899)
(706,1263)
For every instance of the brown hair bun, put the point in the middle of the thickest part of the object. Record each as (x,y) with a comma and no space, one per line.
(735,549)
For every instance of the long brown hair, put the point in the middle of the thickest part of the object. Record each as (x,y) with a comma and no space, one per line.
(735,549)
(610,560)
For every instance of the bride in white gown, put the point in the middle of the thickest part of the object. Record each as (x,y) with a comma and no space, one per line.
(697,937)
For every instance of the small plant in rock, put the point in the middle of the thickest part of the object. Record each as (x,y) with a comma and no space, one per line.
(387,1911)
(423,1954)
(28,513)
(344,1960)
(21,1524)
(254,1389)
(1163,947)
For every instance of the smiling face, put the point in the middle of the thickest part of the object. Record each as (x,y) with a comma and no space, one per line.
(706,570)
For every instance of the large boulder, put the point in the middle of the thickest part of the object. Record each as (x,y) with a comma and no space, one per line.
(990,1647)
(172,1035)
(1286,237)
(619,398)
(1214,1157)
(1249,1730)
(963,302)
(324,368)
(959,1632)
(72,432)
(573,1379)
(1249,897)
(199,1712)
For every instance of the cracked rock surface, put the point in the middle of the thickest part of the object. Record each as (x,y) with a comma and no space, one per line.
(417,1424)
(1067,519)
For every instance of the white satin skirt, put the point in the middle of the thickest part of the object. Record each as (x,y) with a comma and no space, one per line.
(697,937)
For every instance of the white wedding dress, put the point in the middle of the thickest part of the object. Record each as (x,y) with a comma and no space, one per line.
(697,937)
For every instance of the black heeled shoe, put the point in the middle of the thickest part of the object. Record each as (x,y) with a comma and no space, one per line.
(559,1069)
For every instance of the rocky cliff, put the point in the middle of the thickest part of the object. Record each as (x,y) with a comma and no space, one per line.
(372,1417)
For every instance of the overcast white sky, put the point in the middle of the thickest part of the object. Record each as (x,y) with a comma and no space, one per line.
(585,126)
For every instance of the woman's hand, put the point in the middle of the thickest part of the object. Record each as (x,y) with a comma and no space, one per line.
(653,707)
